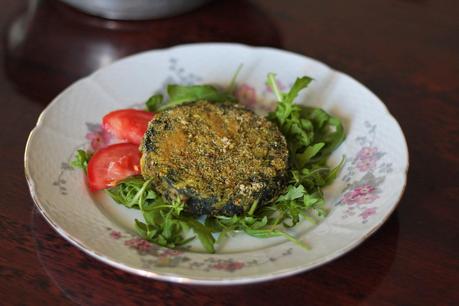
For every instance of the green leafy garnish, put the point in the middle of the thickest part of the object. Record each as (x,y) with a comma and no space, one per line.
(180,94)
(132,192)
(232,84)
(204,234)
(153,102)
(81,160)
(271,220)
(312,135)
(165,223)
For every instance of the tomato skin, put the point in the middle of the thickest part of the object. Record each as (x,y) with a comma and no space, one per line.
(127,124)
(112,164)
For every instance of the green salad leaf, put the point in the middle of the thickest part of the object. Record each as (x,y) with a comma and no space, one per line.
(312,135)
(153,102)
(204,234)
(165,223)
(181,94)
(264,224)
(81,160)
(132,192)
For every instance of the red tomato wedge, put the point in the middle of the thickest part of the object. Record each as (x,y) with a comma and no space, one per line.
(112,164)
(127,124)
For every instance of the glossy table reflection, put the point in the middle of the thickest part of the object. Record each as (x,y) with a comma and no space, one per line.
(406,51)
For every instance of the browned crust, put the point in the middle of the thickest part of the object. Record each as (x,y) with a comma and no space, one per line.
(216,154)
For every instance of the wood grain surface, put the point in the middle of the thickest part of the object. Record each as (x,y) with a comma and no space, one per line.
(406,51)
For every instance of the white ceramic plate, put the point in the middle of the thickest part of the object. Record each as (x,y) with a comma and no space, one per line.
(361,199)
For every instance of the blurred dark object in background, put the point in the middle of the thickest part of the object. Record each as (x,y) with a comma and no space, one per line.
(51,42)
(135,9)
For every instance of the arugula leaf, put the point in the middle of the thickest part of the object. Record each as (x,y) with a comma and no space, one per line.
(146,231)
(263,233)
(212,224)
(312,135)
(309,153)
(153,102)
(180,94)
(286,108)
(165,224)
(333,173)
(132,192)
(328,129)
(81,160)
(204,234)
(300,84)
(232,85)
(293,192)
(257,226)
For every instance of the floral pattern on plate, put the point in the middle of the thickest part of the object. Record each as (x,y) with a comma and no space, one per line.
(157,256)
(366,192)
(360,194)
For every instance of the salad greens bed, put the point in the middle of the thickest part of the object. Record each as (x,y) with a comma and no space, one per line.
(312,135)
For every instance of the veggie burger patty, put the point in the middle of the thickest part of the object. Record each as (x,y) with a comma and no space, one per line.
(218,158)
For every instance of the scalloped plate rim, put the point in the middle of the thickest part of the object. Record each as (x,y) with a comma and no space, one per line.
(205,281)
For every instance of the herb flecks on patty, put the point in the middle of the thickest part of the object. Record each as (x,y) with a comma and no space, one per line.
(218,158)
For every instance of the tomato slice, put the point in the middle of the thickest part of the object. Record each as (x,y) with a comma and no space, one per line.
(112,164)
(127,124)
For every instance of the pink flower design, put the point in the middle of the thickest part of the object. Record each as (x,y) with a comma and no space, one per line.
(99,138)
(366,198)
(246,95)
(138,244)
(366,164)
(367,153)
(115,235)
(368,212)
(229,266)
(364,189)
(366,158)
(364,194)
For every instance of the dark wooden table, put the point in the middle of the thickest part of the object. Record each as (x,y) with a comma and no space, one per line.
(406,51)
